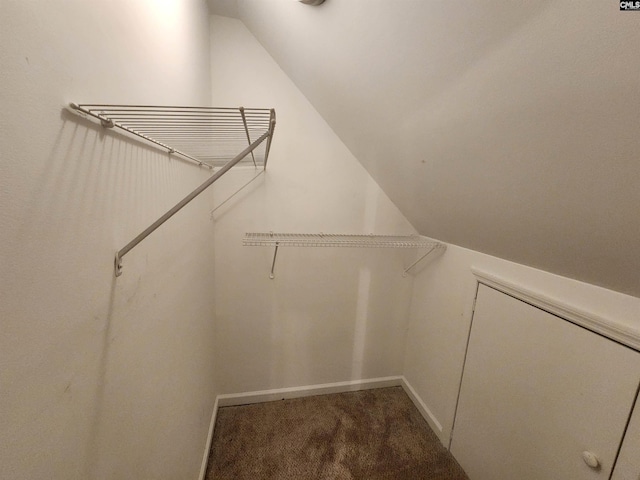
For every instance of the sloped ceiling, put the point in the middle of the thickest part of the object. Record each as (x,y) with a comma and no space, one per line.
(508,127)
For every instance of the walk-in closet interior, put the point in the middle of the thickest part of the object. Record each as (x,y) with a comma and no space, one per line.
(214,203)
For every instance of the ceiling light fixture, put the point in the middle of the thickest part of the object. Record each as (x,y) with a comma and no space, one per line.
(311,2)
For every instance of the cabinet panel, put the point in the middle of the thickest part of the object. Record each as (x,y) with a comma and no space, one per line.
(628,464)
(538,391)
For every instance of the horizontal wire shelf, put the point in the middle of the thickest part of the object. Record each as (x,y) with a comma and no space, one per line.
(208,135)
(338,240)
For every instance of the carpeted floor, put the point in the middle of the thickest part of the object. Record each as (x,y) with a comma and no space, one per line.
(372,434)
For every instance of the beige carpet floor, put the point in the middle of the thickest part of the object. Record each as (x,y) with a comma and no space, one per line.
(372,434)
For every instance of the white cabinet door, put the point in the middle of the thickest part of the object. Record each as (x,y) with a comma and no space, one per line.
(537,391)
(628,464)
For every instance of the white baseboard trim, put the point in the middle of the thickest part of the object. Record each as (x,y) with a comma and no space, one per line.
(424,410)
(207,448)
(246,398)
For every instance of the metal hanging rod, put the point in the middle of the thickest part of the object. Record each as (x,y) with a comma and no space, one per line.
(277,240)
(234,194)
(194,133)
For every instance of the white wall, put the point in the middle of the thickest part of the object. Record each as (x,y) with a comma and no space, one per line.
(331,314)
(511,125)
(106,378)
(441,312)
(101,378)
(315,46)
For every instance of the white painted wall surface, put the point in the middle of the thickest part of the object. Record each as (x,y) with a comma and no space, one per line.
(101,378)
(331,314)
(441,311)
(507,127)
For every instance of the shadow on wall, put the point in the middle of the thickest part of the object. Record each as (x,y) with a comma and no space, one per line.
(251,180)
(93,444)
(91,192)
(360,325)
(318,323)
(332,314)
(452,66)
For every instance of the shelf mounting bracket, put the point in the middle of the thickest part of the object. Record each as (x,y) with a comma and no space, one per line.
(273,264)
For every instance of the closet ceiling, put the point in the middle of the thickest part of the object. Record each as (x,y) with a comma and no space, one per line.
(510,128)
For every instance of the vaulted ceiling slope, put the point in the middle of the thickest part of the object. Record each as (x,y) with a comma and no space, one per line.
(510,128)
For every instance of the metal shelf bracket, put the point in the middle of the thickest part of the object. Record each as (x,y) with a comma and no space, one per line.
(273,264)
(437,246)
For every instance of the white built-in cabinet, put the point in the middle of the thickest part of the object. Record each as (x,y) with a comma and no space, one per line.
(542,398)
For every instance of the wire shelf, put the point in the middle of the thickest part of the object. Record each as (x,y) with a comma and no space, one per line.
(278,240)
(207,135)
(337,240)
(211,136)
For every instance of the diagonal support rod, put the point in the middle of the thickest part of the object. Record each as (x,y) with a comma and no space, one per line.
(123,251)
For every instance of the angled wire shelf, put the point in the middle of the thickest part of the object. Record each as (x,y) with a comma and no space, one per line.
(212,136)
(336,240)
(209,136)
(277,240)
